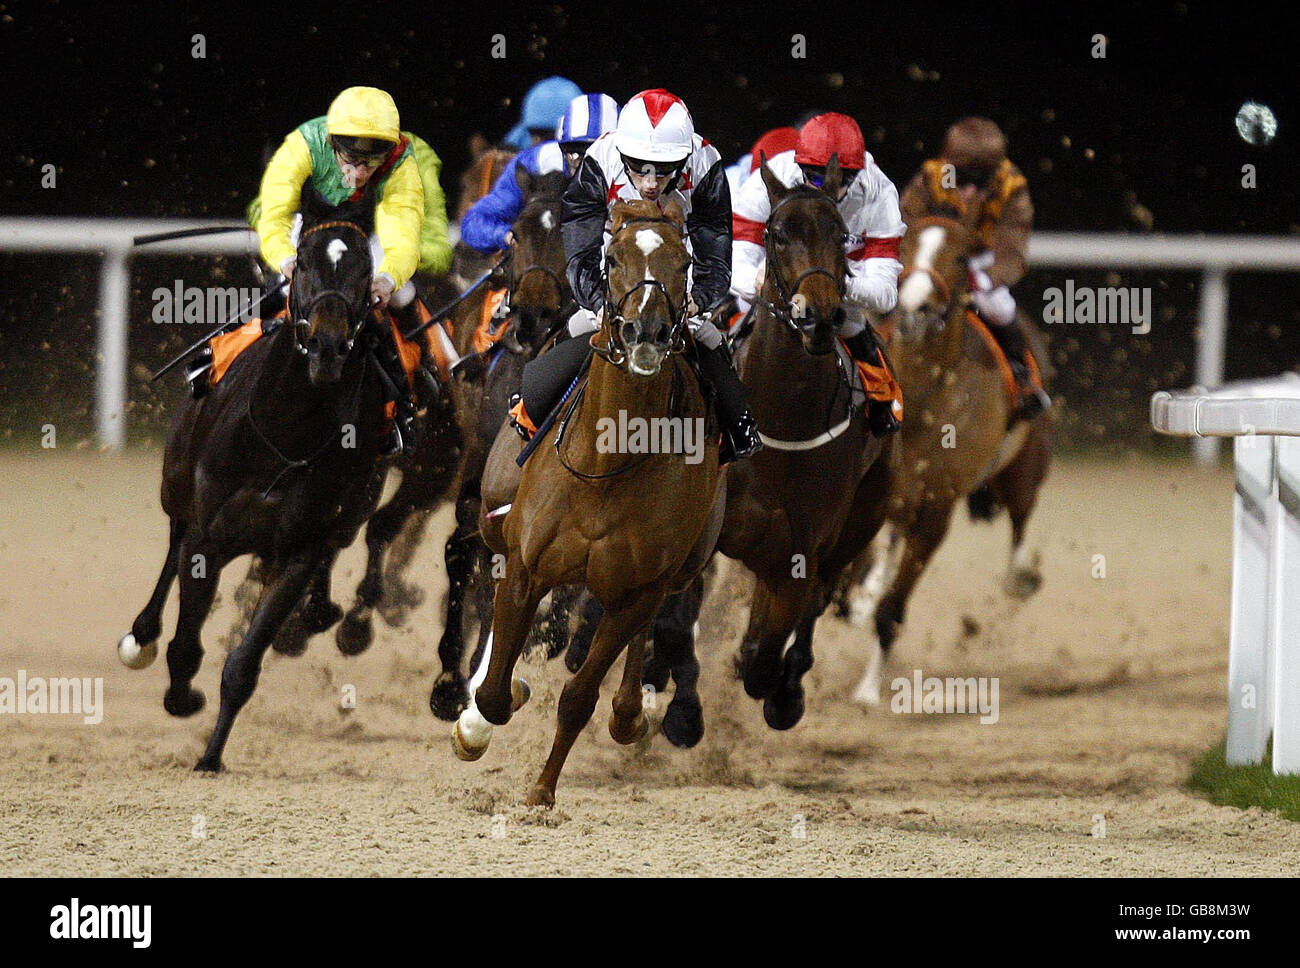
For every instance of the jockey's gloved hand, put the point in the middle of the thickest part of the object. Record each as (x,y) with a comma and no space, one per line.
(996,306)
(381,289)
(583,322)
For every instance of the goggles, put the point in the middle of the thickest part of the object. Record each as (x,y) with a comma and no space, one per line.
(816,176)
(659,169)
(371,159)
(977,175)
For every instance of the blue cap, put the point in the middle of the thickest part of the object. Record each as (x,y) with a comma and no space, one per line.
(544,104)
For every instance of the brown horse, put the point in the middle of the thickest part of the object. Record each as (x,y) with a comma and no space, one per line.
(799,510)
(955,440)
(631,521)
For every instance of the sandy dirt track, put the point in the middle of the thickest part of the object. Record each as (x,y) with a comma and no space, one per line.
(1109,688)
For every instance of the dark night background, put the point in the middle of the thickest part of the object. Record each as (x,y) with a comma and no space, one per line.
(1142,140)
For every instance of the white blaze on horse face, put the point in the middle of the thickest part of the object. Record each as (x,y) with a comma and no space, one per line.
(335,251)
(918,285)
(548,220)
(647,240)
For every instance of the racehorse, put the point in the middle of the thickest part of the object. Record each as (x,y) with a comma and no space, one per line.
(484,170)
(540,301)
(955,440)
(631,524)
(799,510)
(278,460)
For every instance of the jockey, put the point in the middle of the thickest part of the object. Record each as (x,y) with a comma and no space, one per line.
(543,105)
(867,201)
(355,164)
(973,168)
(486,226)
(654,155)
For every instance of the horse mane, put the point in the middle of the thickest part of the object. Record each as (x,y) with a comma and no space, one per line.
(639,210)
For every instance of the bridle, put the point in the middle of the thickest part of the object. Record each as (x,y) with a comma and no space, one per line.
(941,285)
(616,351)
(301,315)
(786,310)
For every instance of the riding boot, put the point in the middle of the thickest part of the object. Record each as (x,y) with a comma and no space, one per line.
(1033,400)
(866,347)
(731,399)
(401,433)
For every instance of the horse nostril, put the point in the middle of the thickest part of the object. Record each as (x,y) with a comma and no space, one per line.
(342,348)
(838,316)
(629,333)
(662,335)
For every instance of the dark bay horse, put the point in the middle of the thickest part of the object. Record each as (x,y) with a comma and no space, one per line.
(955,439)
(631,522)
(278,461)
(540,301)
(799,510)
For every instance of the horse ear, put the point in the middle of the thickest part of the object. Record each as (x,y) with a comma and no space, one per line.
(834,179)
(775,190)
(524,179)
(673,212)
(477,145)
(617,216)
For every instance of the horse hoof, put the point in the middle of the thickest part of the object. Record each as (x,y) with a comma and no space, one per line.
(134,655)
(450,697)
(208,765)
(638,731)
(761,682)
(539,796)
(186,704)
(1022,584)
(782,713)
(470,736)
(520,693)
(576,655)
(292,638)
(355,632)
(683,726)
(322,619)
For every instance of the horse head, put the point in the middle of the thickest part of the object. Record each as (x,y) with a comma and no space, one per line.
(329,298)
(539,291)
(806,264)
(645,285)
(934,277)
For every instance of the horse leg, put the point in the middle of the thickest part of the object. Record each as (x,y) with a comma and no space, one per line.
(778,611)
(199,571)
(589,615)
(139,647)
(628,722)
(400,596)
(923,538)
(495,693)
(887,550)
(357,631)
(784,708)
(314,614)
(674,649)
(618,626)
(1016,488)
(450,694)
(243,665)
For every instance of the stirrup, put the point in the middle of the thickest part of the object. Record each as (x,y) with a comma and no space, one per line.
(198,372)
(741,440)
(881,419)
(520,429)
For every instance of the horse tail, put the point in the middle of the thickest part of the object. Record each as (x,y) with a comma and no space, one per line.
(982,504)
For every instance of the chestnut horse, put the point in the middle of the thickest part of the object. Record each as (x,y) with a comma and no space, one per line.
(631,522)
(800,510)
(955,440)
(278,461)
